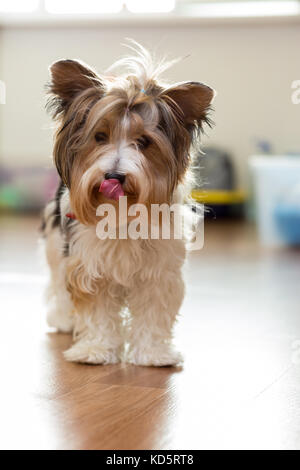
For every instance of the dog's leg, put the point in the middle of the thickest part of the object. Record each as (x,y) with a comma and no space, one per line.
(60,314)
(154,305)
(60,307)
(98,329)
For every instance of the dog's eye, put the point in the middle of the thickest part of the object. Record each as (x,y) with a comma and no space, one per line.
(143,142)
(100,137)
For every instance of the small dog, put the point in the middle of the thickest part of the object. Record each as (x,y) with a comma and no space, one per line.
(119,297)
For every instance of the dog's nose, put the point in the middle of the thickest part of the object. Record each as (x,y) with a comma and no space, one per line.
(116,176)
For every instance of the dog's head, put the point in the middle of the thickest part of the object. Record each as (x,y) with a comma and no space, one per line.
(130,128)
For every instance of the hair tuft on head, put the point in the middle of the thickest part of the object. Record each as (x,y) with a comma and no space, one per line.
(142,64)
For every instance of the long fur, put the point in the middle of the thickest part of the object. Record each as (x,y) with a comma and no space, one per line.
(119,297)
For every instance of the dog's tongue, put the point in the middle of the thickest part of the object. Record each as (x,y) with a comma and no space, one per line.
(112,189)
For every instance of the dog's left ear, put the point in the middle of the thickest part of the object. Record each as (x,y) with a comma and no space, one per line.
(193,99)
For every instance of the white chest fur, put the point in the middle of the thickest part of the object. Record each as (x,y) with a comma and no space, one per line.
(125,260)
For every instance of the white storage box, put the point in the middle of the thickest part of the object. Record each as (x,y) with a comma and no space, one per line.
(274,178)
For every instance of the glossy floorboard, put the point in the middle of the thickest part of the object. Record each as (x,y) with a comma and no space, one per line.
(239,331)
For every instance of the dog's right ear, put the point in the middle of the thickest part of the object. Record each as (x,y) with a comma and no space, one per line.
(70,77)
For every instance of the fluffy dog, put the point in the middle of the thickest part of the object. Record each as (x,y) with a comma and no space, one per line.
(119,297)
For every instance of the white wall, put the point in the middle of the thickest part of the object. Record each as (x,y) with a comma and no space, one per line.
(1,78)
(251,67)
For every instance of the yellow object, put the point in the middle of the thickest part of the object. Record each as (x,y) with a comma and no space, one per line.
(218,197)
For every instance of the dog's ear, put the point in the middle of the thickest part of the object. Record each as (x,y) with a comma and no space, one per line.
(70,77)
(190,101)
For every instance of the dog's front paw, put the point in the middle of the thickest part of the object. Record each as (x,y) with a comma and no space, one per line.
(63,322)
(158,355)
(91,352)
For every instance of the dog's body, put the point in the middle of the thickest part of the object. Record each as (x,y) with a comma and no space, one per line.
(120,297)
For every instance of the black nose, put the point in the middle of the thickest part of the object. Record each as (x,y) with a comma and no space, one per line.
(115,176)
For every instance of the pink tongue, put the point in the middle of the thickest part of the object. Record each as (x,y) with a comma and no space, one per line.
(112,189)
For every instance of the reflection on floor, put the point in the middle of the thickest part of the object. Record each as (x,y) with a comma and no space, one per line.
(240,332)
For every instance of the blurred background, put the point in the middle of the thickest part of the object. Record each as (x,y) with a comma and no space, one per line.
(247,50)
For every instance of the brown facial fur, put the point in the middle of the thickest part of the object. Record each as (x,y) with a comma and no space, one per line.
(156,125)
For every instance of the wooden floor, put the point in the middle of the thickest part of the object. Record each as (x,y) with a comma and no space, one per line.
(240,333)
